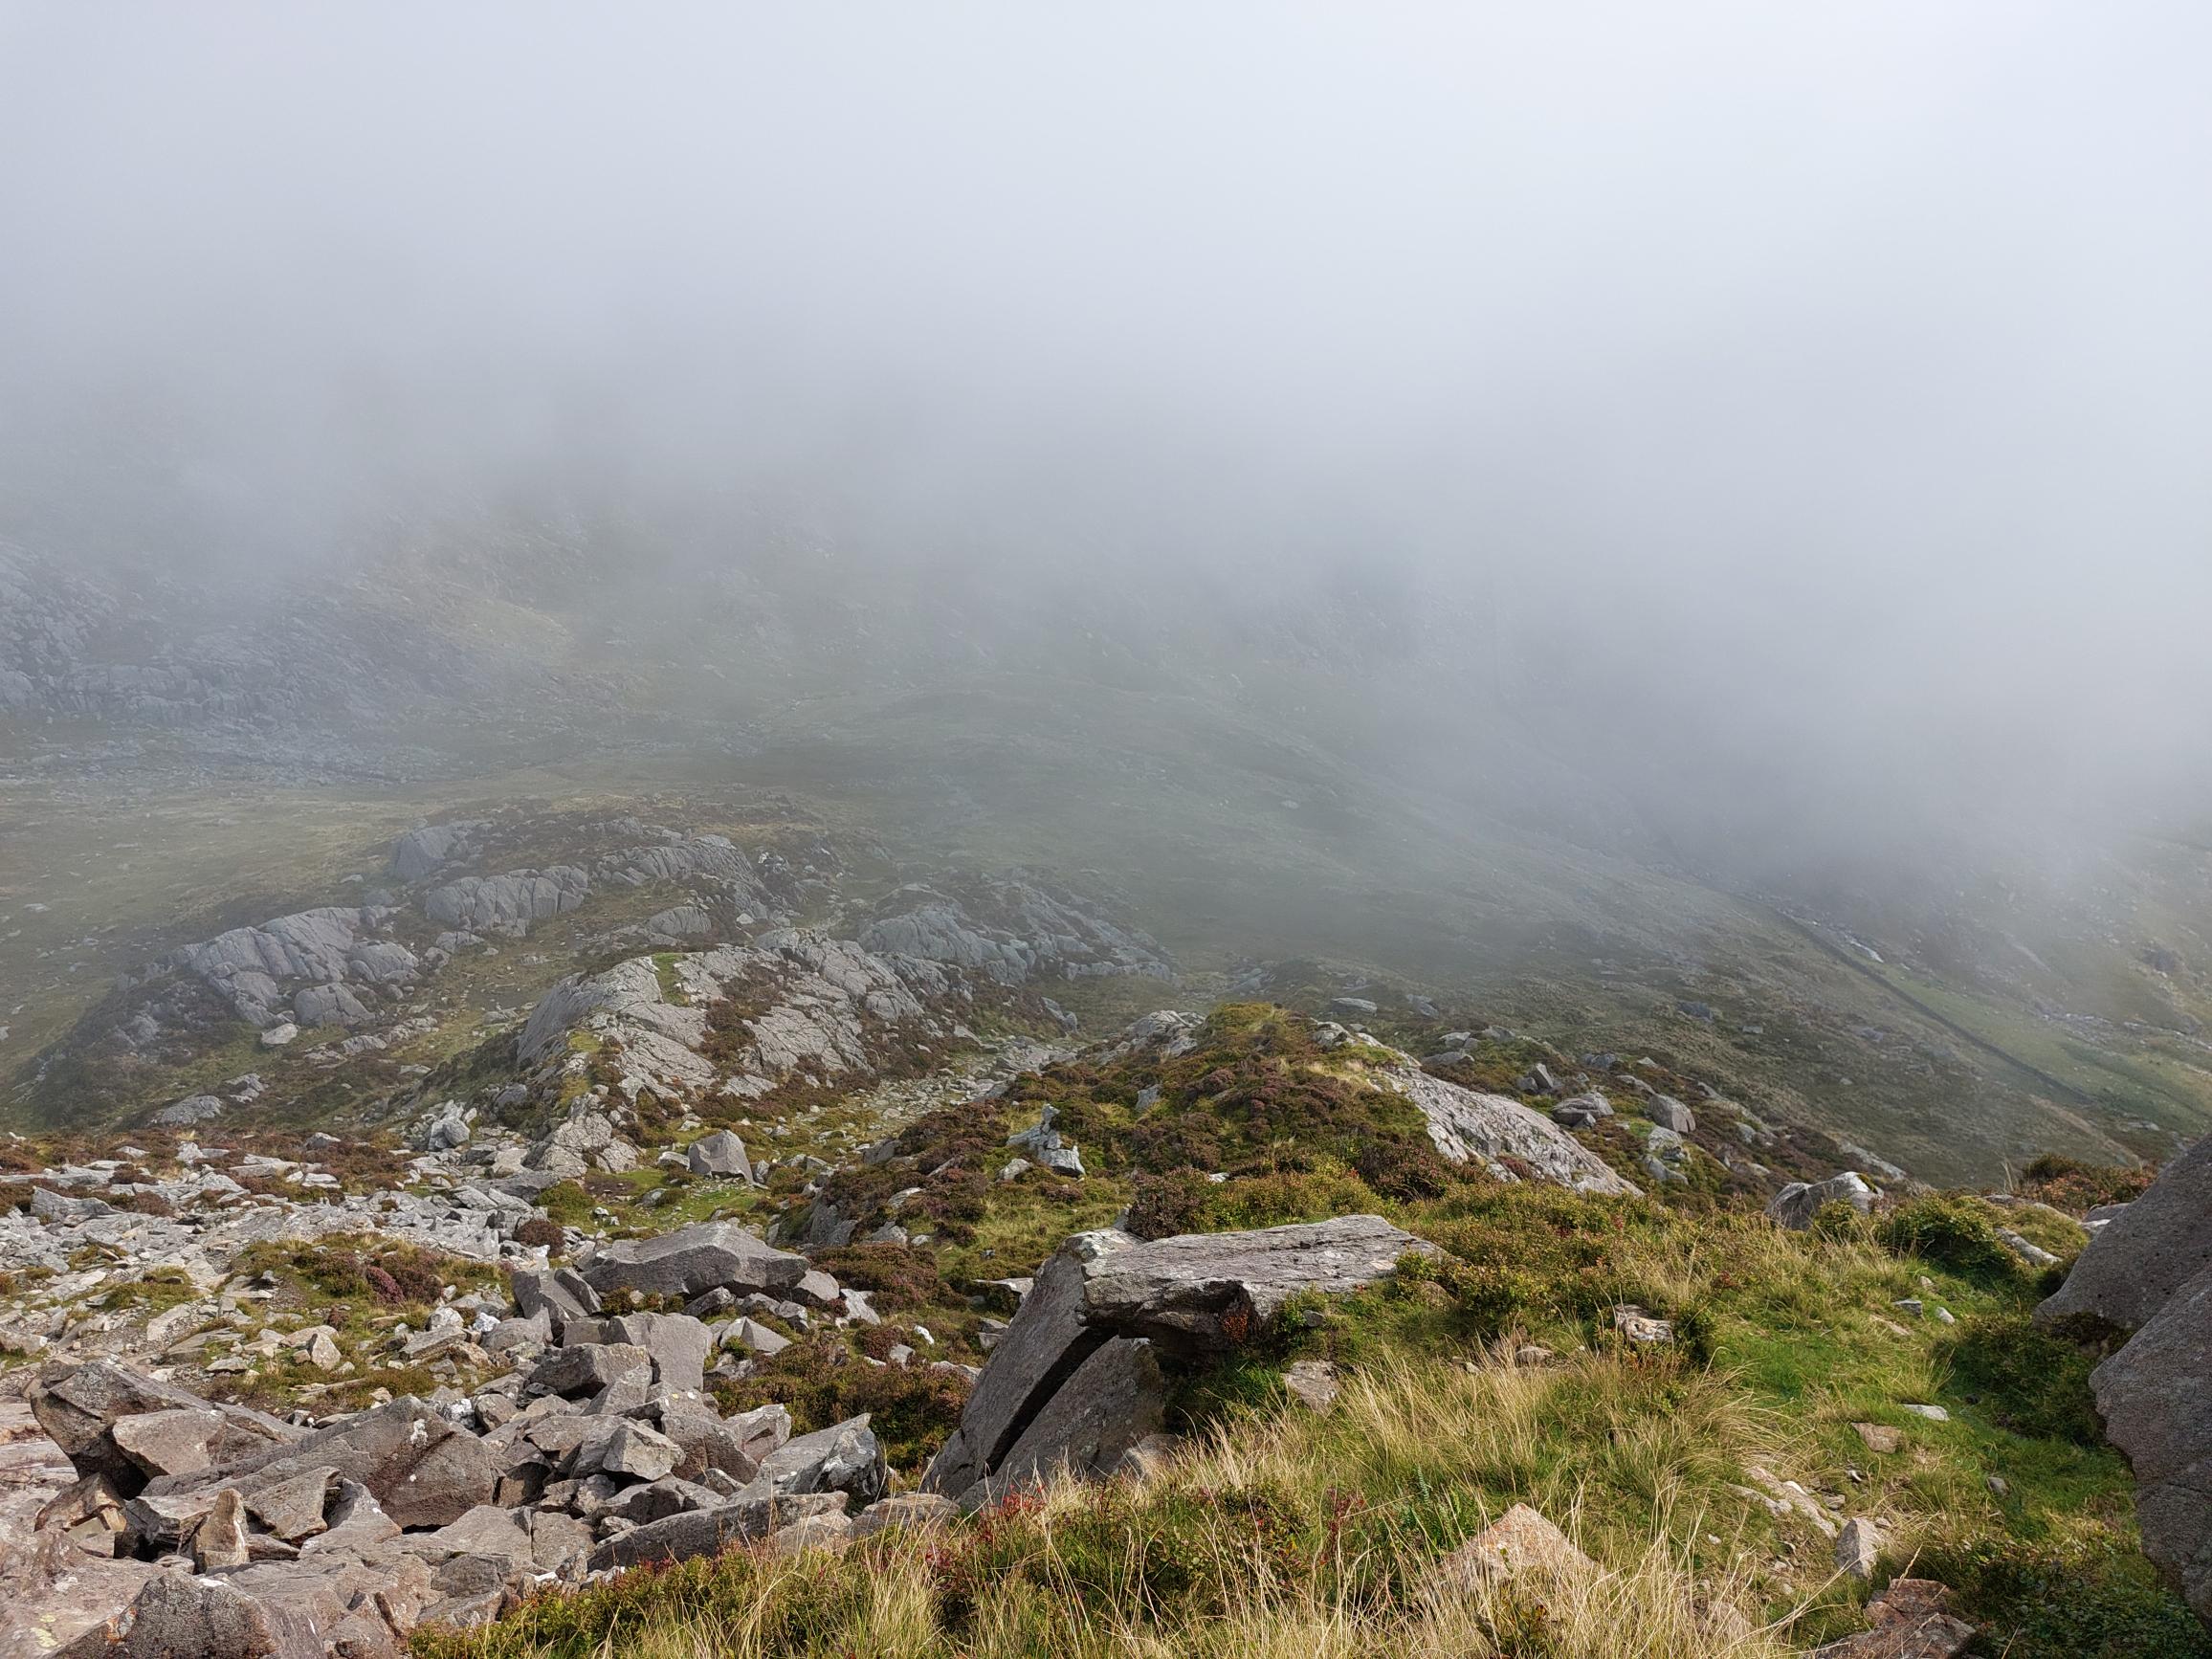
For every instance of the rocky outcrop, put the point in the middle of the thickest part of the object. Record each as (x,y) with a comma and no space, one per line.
(2143,1254)
(508,905)
(315,966)
(425,851)
(1486,1129)
(827,1009)
(1011,932)
(1077,1381)
(692,1260)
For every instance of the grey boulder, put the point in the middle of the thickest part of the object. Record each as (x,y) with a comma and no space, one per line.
(1796,1205)
(2144,1254)
(720,1155)
(692,1260)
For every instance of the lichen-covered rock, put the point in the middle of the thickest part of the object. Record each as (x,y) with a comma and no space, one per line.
(1484,1129)
(693,1259)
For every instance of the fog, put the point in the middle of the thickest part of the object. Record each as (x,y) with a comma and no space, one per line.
(1796,417)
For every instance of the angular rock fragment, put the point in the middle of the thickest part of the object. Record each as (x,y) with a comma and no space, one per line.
(695,1259)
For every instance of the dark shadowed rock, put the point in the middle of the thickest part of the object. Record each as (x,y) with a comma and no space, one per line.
(2156,1397)
(692,1260)
(1111,1403)
(2144,1254)
(588,1367)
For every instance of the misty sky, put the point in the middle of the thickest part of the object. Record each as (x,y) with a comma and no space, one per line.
(1832,382)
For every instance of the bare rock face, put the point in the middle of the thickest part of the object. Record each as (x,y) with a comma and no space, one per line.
(846,1457)
(695,1259)
(1468,1127)
(1112,1402)
(2156,1397)
(2144,1254)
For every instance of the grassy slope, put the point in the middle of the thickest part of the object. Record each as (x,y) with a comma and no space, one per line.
(1283,1532)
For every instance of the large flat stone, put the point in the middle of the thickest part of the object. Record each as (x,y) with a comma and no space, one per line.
(744,1519)
(694,1259)
(1210,1293)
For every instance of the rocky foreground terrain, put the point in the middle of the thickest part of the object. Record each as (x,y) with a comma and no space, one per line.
(722,1268)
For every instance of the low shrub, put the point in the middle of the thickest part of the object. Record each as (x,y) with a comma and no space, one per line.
(1953,1232)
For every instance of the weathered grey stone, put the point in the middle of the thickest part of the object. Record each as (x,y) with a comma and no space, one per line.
(1796,1205)
(1858,1549)
(1213,1291)
(845,1457)
(293,1509)
(2156,1397)
(744,1519)
(720,1155)
(693,1259)
(1670,1112)
(422,1470)
(172,1442)
(589,1367)
(561,1295)
(80,1406)
(219,1541)
(1468,1127)
(678,1344)
(622,1446)
(179,1613)
(1045,1343)
(706,1442)
(2144,1254)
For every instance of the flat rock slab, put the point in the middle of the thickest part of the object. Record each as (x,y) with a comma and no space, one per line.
(2144,1254)
(693,1260)
(744,1519)
(1210,1293)
(1468,1127)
